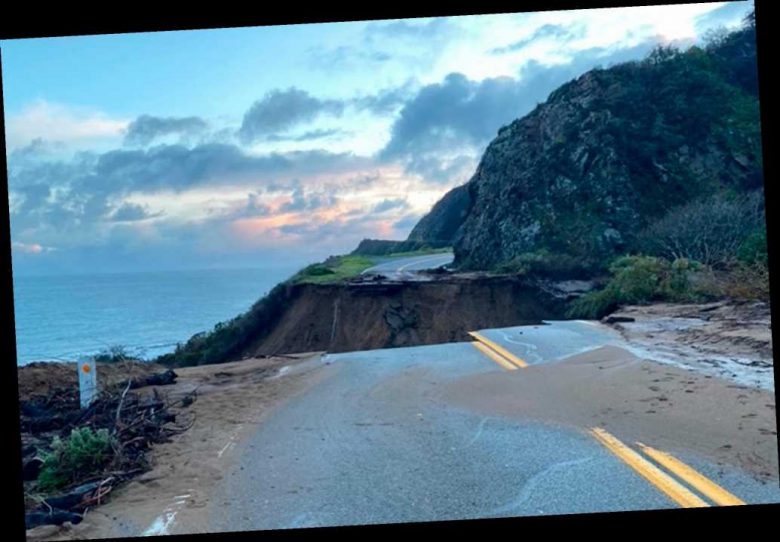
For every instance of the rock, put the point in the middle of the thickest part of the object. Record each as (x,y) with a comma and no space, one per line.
(584,172)
(442,223)
(73,499)
(160,379)
(617,319)
(55,517)
(31,469)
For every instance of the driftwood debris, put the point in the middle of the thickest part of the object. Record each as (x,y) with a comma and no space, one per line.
(134,420)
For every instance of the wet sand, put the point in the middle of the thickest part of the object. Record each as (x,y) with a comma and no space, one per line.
(637,400)
(728,339)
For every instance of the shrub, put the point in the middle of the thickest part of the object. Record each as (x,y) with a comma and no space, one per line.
(641,279)
(545,264)
(711,231)
(113,354)
(744,281)
(83,453)
(754,249)
(317,270)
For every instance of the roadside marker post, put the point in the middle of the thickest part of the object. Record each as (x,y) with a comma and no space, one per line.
(87,380)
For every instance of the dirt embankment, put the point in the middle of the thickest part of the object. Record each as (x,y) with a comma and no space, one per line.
(365,316)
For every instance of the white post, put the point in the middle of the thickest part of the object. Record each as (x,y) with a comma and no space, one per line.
(87,380)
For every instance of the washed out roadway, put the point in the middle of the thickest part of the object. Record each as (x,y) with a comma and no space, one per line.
(406,268)
(375,441)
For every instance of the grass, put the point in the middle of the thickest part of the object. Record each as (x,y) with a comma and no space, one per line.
(334,269)
(412,253)
(338,268)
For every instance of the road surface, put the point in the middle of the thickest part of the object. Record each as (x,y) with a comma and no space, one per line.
(378,441)
(405,268)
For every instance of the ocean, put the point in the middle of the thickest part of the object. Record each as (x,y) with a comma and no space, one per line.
(59,318)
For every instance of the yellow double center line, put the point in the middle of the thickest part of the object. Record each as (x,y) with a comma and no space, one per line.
(497,353)
(663,481)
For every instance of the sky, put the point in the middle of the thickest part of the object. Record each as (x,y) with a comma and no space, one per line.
(263,146)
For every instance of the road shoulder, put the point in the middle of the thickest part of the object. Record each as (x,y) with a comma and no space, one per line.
(233,399)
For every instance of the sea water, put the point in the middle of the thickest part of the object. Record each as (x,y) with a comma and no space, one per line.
(147,313)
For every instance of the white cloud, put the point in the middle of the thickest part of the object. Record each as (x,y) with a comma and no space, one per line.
(592,28)
(30,248)
(75,126)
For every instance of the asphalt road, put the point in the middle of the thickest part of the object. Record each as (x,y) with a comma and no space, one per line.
(404,268)
(375,442)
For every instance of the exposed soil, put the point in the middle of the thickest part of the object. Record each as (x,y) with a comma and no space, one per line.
(365,316)
(40,379)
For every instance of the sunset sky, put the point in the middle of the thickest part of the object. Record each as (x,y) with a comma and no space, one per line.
(280,145)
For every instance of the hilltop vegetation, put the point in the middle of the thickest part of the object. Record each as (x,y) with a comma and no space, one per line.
(613,159)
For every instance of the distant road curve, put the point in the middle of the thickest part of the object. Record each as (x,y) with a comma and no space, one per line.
(399,267)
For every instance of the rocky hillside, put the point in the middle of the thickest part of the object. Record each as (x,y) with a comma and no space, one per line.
(442,223)
(607,155)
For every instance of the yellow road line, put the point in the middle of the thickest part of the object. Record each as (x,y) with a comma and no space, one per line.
(665,483)
(710,489)
(499,349)
(494,356)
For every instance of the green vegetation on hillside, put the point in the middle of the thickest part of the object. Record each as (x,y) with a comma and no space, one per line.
(639,280)
(383,247)
(545,264)
(609,159)
(334,269)
(643,279)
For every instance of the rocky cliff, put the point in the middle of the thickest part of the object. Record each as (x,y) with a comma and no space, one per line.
(348,316)
(442,224)
(606,155)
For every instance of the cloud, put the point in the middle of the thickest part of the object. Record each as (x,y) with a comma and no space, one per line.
(281,110)
(71,202)
(729,15)
(345,56)
(301,201)
(426,29)
(147,128)
(36,150)
(176,167)
(30,248)
(559,33)
(254,207)
(56,122)
(443,129)
(406,44)
(132,212)
(389,205)
(386,101)
(33,196)
(311,135)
